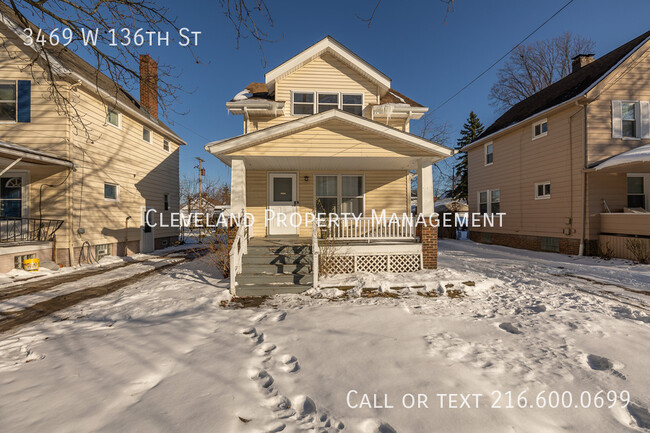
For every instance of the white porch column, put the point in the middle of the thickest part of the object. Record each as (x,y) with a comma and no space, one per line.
(237,186)
(425,186)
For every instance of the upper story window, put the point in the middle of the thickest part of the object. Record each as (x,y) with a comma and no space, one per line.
(327,101)
(542,190)
(114,118)
(489,154)
(305,103)
(302,103)
(166,145)
(631,119)
(146,134)
(353,103)
(489,201)
(540,129)
(8,101)
(166,202)
(111,192)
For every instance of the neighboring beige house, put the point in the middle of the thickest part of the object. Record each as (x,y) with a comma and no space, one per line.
(570,165)
(60,191)
(326,132)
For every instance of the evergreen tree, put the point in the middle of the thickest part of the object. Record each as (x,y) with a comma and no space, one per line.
(470,132)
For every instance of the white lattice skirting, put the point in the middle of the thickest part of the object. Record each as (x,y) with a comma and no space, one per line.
(395,263)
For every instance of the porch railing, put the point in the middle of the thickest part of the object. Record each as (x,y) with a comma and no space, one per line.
(27,229)
(369,229)
(238,249)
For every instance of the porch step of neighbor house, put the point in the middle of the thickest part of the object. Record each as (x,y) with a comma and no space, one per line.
(274,267)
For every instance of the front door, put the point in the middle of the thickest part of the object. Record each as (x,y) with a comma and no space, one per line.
(13,207)
(282,203)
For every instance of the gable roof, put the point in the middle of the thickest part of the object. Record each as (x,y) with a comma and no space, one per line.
(71,63)
(331,45)
(573,85)
(229,145)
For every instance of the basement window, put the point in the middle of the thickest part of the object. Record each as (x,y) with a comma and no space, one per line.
(550,244)
(102,250)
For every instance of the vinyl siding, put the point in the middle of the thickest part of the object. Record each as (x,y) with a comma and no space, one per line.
(335,138)
(144,171)
(387,189)
(520,162)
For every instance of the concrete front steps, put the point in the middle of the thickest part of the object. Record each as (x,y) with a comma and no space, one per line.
(274,268)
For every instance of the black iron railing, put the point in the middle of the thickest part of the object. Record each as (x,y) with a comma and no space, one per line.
(27,229)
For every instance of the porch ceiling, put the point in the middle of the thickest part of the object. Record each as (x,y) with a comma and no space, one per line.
(327,163)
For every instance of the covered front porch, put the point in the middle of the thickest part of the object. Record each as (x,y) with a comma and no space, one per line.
(624,186)
(27,226)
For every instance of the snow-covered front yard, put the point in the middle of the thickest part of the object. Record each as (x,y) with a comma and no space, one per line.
(164,354)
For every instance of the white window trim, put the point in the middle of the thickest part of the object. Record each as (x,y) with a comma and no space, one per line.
(15,83)
(150,135)
(489,199)
(485,153)
(637,118)
(646,187)
(542,134)
(324,92)
(119,118)
(545,196)
(339,189)
(303,103)
(117,192)
(169,146)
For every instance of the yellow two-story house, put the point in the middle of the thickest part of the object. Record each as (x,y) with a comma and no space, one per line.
(326,132)
(74,192)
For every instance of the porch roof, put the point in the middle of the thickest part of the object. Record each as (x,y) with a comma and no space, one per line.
(632,160)
(421,147)
(14,152)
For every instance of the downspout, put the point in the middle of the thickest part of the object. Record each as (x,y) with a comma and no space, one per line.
(581,251)
(69,189)
(246,117)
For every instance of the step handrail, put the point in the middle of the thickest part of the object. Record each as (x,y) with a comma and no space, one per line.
(238,249)
(315,252)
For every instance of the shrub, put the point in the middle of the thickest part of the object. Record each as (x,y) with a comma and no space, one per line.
(638,250)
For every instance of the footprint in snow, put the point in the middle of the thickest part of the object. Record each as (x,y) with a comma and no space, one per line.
(600,363)
(540,308)
(280,317)
(640,415)
(509,327)
(376,426)
(289,364)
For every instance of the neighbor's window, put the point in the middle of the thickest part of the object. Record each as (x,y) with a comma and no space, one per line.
(629,117)
(113,117)
(166,202)
(166,145)
(353,104)
(327,194)
(8,101)
(550,244)
(489,155)
(102,250)
(540,129)
(495,201)
(303,103)
(635,192)
(543,190)
(352,195)
(111,191)
(483,202)
(327,101)
(146,134)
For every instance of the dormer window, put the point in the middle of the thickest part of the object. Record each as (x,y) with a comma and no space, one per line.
(327,101)
(302,103)
(353,103)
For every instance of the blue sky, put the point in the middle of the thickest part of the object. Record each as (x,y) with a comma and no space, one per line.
(426,59)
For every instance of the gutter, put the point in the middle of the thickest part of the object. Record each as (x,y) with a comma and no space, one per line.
(154,125)
(575,98)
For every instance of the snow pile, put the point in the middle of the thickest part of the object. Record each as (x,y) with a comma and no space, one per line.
(639,154)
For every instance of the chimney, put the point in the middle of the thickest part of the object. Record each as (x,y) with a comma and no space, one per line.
(149,85)
(580,61)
